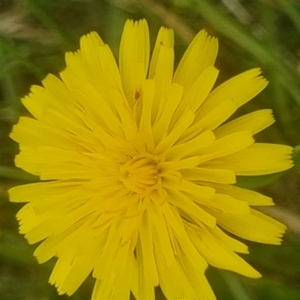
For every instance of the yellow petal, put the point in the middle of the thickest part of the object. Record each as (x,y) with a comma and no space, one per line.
(210,175)
(258,159)
(31,133)
(198,92)
(218,256)
(211,120)
(168,167)
(190,188)
(110,245)
(168,274)
(229,204)
(167,109)
(161,234)
(40,191)
(179,128)
(188,206)
(165,39)
(147,106)
(227,145)
(99,63)
(255,227)
(103,288)
(227,241)
(198,286)
(80,265)
(240,89)
(174,220)
(200,54)
(134,58)
(190,148)
(256,122)
(161,67)
(146,247)
(252,197)
(124,278)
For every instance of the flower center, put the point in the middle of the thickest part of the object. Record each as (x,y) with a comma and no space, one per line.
(140,173)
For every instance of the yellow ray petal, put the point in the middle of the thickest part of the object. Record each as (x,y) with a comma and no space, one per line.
(160,233)
(183,123)
(188,187)
(200,54)
(30,132)
(147,106)
(229,204)
(124,277)
(255,122)
(35,105)
(111,244)
(227,241)
(187,249)
(255,227)
(145,289)
(146,247)
(258,159)
(28,219)
(211,120)
(198,92)
(240,89)
(82,263)
(228,145)
(67,215)
(168,274)
(218,256)
(168,167)
(41,190)
(103,289)
(173,219)
(49,247)
(75,67)
(252,197)
(161,67)
(165,39)
(188,206)
(50,96)
(197,286)
(134,58)
(191,147)
(210,175)
(99,62)
(167,109)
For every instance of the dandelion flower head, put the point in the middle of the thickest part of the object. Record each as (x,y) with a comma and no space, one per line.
(137,166)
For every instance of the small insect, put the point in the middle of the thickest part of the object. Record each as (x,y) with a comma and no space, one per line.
(137,96)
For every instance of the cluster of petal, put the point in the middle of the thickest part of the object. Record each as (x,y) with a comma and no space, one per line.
(138,165)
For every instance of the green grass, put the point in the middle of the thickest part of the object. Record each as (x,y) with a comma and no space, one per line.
(35,34)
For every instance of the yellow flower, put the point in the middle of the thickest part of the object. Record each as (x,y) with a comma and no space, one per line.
(138,168)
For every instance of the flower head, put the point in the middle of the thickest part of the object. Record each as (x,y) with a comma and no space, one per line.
(138,166)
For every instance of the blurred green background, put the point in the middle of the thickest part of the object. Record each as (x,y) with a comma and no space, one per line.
(35,34)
